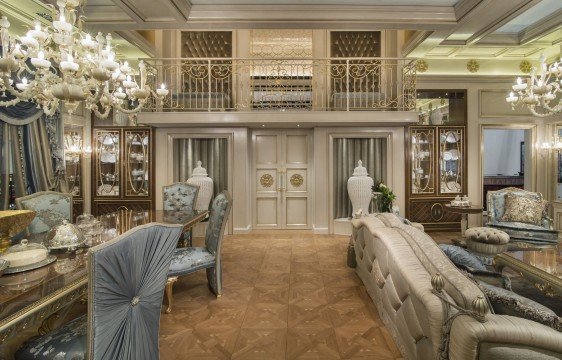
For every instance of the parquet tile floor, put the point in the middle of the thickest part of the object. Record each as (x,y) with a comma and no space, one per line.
(286,295)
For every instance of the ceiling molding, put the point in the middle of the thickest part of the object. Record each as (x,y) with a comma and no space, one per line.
(181,8)
(130,10)
(547,25)
(516,11)
(137,40)
(463,7)
(414,41)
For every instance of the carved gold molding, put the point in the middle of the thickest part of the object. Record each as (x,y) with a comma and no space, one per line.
(43,308)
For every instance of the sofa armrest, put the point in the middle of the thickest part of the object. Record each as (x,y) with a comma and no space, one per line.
(468,335)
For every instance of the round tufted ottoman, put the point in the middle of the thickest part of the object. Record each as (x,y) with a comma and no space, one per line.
(486,240)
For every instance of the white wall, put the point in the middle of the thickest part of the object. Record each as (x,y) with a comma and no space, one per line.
(502,151)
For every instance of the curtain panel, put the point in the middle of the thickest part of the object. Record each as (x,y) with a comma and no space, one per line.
(347,151)
(213,153)
(31,149)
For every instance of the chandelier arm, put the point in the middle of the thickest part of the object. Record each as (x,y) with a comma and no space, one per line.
(130,111)
(9,102)
(23,95)
(534,112)
(99,114)
(97,96)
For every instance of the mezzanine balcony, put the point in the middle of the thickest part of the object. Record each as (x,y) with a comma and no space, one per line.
(289,84)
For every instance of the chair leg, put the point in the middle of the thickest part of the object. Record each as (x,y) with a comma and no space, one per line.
(169,286)
(214,277)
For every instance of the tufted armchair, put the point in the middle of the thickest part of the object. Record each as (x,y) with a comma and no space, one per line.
(517,230)
(126,283)
(180,196)
(51,209)
(188,260)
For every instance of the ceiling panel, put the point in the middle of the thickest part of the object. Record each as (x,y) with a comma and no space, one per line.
(532,16)
(327,2)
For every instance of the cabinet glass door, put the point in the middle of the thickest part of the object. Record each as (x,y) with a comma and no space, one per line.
(73,159)
(137,163)
(423,160)
(451,160)
(107,162)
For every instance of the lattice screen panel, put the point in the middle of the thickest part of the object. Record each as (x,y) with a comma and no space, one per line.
(274,43)
(206,44)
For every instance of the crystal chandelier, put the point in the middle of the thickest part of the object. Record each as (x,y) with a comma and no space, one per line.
(539,90)
(60,63)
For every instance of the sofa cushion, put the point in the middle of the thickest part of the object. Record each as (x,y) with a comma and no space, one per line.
(461,257)
(523,209)
(507,302)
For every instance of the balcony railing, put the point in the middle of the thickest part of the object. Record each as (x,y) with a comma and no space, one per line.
(332,84)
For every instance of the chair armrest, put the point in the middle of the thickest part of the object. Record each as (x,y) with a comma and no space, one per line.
(467,335)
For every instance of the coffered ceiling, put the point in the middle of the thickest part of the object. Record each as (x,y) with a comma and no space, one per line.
(452,31)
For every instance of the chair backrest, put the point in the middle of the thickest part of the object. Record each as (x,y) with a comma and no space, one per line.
(180,196)
(496,201)
(126,283)
(51,209)
(217,221)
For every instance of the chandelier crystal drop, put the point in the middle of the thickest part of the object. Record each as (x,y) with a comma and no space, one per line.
(540,90)
(60,63)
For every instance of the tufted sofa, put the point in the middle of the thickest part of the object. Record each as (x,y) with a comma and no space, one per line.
(396,262)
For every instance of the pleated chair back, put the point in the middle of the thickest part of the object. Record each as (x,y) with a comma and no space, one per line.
(217,222)
(180,196)
(51,209)
(127,276)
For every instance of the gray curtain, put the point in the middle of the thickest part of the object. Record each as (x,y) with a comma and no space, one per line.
(347,151)
(31,146)
(213,153)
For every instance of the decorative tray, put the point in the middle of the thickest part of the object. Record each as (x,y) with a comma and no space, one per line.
(49,260)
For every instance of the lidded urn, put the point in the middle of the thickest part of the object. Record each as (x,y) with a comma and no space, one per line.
(199,177)
(359,188)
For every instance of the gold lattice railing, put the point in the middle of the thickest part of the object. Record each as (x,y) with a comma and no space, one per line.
(333,84)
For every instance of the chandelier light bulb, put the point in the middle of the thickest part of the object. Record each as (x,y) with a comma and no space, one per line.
(18,52)
(511,98)
(40,61)
(22,86)
(162,91)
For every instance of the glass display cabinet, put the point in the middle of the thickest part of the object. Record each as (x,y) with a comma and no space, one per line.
(437,158)
(73,158)
(122,169)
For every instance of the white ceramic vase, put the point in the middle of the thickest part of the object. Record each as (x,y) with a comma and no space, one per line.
(359,188)
(199,177)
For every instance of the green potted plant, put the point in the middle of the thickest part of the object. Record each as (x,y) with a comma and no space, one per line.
(383,196)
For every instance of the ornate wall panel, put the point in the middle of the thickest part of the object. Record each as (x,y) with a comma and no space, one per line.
(275,43)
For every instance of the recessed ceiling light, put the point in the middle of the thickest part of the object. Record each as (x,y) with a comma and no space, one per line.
(262,125)
(298,125)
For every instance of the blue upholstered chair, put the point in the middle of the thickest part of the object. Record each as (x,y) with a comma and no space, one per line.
(188,260)
(180,196)
(51,208)
(126,283)
(540,234)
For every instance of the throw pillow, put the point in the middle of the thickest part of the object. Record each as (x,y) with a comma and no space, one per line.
(523,209)
(507,302)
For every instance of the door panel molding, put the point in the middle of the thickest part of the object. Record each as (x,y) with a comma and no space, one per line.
(282,169)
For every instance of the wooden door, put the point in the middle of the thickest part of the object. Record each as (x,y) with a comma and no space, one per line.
(282,195)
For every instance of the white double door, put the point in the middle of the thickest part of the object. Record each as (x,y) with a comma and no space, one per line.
(282,191)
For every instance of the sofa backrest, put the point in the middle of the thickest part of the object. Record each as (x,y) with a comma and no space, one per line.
(400,260)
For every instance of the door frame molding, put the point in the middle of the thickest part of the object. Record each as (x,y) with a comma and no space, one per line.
(532,148)
(365,134)
(310,169)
